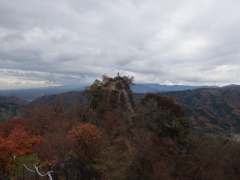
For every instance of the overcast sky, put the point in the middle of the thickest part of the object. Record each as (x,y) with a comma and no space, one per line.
(59,42)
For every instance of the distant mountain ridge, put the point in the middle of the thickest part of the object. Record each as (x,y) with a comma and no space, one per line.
(32,94)
(12,100)
(147,88)
(67,99)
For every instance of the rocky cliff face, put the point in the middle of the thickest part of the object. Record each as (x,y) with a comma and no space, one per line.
(114,96)
(115,93)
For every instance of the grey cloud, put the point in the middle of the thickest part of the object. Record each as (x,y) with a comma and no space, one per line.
(74,41)
(12,38)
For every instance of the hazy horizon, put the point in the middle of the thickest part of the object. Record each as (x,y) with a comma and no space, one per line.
(83,86)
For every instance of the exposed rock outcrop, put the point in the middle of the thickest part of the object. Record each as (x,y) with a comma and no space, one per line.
(114,93)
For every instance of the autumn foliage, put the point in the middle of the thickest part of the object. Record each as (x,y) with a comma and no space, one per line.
(19,143)
(150,139)
(86,139)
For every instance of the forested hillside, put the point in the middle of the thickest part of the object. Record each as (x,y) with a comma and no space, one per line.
(10,107)
(212,110)
(114,137)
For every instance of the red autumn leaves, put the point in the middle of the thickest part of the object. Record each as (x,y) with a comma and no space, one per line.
(18,143)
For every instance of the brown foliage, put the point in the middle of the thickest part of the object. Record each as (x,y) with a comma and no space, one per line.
(210,157)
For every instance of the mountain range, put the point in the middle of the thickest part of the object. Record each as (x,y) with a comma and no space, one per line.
(32,94)
(211,109)
(118,136)
(148,88)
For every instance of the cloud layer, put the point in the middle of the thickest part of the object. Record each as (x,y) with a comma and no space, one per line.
(57,42)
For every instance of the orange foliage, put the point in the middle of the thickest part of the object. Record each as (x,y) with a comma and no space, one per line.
(86,138)
(20,143)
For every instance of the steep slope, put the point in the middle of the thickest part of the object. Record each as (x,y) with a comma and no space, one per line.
(114,93)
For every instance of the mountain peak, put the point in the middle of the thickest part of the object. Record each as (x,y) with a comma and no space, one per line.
(113,93)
